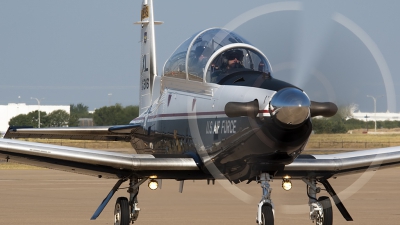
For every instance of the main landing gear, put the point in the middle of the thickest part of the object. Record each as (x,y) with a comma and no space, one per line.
(127,211)
(320,209)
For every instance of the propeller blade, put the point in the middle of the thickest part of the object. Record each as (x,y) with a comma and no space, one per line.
(236,109)
(325,109)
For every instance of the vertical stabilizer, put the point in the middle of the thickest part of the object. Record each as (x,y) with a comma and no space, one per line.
(148,69)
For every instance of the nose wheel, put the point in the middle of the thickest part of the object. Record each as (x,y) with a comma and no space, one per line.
(267,215)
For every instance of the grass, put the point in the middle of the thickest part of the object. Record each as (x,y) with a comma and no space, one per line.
(16,166)
(353,141)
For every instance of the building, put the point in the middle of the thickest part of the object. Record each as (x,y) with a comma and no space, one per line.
(13,109)
(380,116)
(85,122)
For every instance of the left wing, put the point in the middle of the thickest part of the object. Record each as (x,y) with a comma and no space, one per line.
(113,133)
(99,163)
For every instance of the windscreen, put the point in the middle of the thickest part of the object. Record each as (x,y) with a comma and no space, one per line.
(190,58)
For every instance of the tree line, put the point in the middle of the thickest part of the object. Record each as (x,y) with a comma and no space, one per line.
(119,115)
(342,122)
(331,126)
(107,115)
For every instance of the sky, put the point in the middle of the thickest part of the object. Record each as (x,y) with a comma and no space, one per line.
(70,52)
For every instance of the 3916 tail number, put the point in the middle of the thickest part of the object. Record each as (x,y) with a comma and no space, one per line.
(145,84)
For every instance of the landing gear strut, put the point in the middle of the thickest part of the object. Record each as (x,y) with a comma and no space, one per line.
(265,213)
(133,201)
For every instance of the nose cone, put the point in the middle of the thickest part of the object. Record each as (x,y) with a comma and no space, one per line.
(290,107)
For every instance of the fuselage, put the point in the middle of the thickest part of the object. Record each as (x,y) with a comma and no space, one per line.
(189,118)
(218,102)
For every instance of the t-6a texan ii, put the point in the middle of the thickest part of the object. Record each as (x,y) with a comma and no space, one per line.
(214,112)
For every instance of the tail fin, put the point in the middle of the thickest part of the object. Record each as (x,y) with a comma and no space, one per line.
(148,68)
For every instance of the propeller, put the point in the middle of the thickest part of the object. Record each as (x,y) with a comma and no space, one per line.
(310,52)
(289,106)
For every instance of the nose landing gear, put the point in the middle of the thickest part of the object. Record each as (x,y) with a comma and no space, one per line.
(265,212)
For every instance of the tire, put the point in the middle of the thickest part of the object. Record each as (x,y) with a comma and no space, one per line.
(327,209)
(267,216)
(121,212)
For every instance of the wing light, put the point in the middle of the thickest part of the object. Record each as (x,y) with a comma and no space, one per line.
(286,183)
(153,184)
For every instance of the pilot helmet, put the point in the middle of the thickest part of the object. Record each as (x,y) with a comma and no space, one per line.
(202,50)
(233,53)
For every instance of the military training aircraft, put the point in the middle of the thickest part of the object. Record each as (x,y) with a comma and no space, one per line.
(215,112)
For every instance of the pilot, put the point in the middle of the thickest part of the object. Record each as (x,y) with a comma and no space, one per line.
(202,53)
(233,59)
(261,67)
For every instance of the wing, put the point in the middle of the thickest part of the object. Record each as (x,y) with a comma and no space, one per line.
(113,133)
(99,163)
(333,165)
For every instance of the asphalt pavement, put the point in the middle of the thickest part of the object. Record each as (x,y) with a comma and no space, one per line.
(55,197)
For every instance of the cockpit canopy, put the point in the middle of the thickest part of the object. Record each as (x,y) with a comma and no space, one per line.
(209,55)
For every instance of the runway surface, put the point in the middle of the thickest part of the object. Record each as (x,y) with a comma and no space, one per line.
(53,197)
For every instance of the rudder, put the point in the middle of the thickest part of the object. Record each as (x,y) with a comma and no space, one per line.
(148,68)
